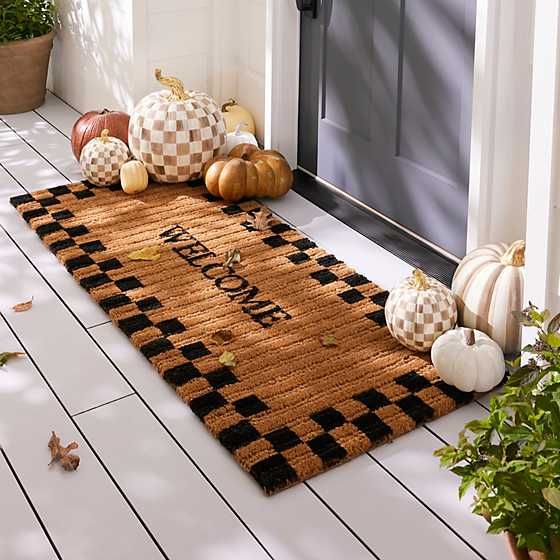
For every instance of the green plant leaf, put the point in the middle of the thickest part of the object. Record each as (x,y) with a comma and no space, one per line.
(552,496)
(553,340)
(554,324)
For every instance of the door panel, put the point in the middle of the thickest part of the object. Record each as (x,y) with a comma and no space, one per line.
(393,95)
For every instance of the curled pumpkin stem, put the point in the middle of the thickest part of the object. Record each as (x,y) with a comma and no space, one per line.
(104,135)
(419,280)
(178,91)
(515,254)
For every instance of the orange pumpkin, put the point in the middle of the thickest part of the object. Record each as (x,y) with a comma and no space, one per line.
(248,172)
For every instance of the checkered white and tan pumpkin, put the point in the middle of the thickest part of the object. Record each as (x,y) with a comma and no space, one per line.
(102,158)
(175,133)
(419,310)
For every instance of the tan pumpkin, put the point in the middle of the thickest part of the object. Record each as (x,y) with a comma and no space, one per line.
(134,177)
(235,115)
(488,286)
(248,172)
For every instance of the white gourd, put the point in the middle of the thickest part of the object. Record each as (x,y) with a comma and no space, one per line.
(469,360)
(419,310)
(488,285)
(239,137)
(134,177)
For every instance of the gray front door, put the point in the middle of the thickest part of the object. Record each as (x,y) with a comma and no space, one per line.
(385,108)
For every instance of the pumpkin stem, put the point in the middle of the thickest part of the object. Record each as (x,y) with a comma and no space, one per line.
(178,91)
(105,111)
(229,103)
(469,337)
(104,135)
(420,280)
(515,254)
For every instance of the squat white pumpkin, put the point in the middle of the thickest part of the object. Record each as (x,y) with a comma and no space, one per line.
(419,310)
(469,360)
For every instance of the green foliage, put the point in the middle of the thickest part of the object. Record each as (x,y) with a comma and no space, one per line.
(25,19)
(512,457)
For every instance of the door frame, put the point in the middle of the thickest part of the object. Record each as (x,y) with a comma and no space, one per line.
(502,83)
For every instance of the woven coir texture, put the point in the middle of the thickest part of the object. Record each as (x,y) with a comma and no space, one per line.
(291,407)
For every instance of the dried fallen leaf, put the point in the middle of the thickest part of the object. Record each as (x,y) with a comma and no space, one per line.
(227,359)
(59,453)
(261,221)
(222,336)
(232,258)
(329,340)
(145,254)
(6,356)
(23,306)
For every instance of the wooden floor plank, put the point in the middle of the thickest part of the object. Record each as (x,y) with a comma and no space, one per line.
(58,114)
(24,164)
(410,459)
(49,142)
(69,358)
(292,525)
(83,511)
(185,514)
(21,535)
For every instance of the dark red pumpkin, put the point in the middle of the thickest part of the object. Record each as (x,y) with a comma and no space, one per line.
(90,125)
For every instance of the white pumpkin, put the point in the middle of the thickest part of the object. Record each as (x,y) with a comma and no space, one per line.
(419,310)
(175,133)
(469,360)
(134,177)
(488,286)
(239,137)
(102,158)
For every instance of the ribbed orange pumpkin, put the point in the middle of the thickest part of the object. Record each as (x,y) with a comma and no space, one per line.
(248,172)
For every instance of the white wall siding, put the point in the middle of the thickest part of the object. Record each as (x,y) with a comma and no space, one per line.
(107,51)
(93,57)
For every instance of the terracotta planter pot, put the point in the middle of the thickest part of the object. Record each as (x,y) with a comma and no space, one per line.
(23,67)
(525,554)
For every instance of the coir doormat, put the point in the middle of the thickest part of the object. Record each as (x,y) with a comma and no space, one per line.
(317,378)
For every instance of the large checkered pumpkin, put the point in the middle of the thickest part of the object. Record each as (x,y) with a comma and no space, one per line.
(175,133)
(102,158)
(419,310)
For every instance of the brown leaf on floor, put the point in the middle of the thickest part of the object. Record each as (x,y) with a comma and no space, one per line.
(145,254)
(261,221)
(222,336)
(5,357)
(232,258)
(68,461)
(23,306)
(227,359)
(329,340)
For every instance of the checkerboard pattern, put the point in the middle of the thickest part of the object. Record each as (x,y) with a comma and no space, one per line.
(291,408)
(101,162)
(417,318)
(174,139)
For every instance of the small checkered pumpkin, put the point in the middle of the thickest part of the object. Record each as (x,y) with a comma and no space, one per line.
(419,310)
(102,158)
(175,133)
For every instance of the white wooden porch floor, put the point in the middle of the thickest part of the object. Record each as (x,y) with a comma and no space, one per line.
(152,482)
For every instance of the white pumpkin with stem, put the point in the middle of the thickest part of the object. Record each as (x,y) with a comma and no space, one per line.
(469,360)
(488,285)
(419,310)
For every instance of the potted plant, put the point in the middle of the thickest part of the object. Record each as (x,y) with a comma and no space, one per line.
(26,40)
(512,457)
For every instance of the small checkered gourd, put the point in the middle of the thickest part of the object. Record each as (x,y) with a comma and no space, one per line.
(419,310)
(102,158)
(175,133)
